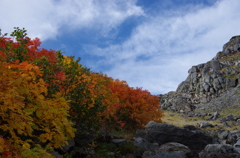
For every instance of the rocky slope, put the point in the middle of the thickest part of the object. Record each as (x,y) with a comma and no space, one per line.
(212,86)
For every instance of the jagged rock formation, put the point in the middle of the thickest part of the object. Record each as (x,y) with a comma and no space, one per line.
(213,85)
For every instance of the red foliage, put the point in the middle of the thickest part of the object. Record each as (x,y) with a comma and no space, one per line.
(3,45)
(5,153)
(136,107)
(60,75)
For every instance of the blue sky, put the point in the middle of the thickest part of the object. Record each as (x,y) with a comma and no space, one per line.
(149,43)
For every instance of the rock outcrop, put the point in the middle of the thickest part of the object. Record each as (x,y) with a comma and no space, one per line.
(219,151)
(156,135)
(212,86)
(160,140)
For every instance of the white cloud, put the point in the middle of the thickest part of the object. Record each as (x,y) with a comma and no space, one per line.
(46,18)
(34,16)
(105,14)
(172,44)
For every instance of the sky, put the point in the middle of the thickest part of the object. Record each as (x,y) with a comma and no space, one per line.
(148,43)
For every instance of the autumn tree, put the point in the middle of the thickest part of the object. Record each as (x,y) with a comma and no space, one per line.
(86,94)
(136,107)
(31,123)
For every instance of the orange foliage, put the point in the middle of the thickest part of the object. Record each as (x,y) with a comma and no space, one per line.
(26,113)
(136,106)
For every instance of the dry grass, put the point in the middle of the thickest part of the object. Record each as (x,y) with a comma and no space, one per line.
(233,109)
(128,135)
(179,120)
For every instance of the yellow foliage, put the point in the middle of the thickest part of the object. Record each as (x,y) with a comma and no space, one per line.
(92,144)
(25,109)
(67,60)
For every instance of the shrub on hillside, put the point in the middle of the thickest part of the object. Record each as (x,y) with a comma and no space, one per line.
(41,90)
(30,123)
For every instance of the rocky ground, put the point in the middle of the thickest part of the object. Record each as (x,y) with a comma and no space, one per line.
(169,141)
(178,136)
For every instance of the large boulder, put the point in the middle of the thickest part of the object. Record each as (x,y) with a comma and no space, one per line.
(219,151)
(173,154)
(161,133)
(173,146)
(143,144)
(168,150)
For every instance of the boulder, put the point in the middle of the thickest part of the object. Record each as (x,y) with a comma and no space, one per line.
(169,150)
(219,151)
(215,115)
(231,82)
(164,133)
(205,125)
(173,146)
(143,144)
(238,121)
(237,150)
(173,154)
(120,142)
(223,135)
(237,145)
(150,124)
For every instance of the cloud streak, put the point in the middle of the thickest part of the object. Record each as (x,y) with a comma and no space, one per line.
(46,19)
(170,45)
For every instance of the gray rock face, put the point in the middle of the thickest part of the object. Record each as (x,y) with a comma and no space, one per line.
(173,146)
(205,125)
(209,81)
(174,154)
(143,144)
(176,102)
(215,115)
(150,124)
(237,144)
(161,133)
(219,151)
(223,135)
(160,140)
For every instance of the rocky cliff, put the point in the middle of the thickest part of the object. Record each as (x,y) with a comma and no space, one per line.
(212,86)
